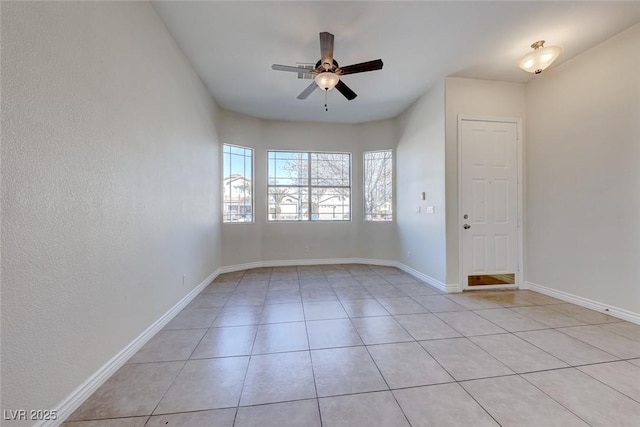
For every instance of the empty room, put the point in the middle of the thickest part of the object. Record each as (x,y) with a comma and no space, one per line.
(320,213)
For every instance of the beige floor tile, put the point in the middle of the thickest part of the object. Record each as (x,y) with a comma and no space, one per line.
(510,320)
(345,371)
(464,360)
(311,275)
(344,282)
(197,318)
(278,377)
(256,277)
(318,294)
(132,390)
(438,303)
(332,333)
(220,288)
(283,285)
(538,298)
(118,422)
(594,402)
(516,353)
(279,313)
(322,310)
(508,299)
(622,376)
(226,342)
(626,329)
(284,275)
(364,308)
(385,291)
(473,301)
(214,418)
(302,413)
(352,292)
(362,410)
(635,362)
(209,300)
(546,316)
(283,296)
(205,384)
(380,330)
(565,348)
(583,314)
(426,326)
(399,279)
(246,298)
(469,324)
(444,405)
(167,346)
(407,365)
(280,337)
(416,289)
(611,343)
(403,305)
(514,402)
(372,281)
(238,316)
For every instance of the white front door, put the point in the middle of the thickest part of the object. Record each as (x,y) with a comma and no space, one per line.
(489,203)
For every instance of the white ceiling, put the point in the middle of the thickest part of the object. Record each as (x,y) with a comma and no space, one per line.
(232,45)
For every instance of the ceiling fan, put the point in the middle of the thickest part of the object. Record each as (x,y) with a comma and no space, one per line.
(327,73)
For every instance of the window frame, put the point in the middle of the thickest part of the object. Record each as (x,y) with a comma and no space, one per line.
(253,201)
(309,187)
(364,186)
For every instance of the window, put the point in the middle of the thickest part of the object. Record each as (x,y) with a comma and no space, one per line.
(378,185)
(306,186)
(237,202)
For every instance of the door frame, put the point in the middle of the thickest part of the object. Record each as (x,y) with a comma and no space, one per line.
(520,190)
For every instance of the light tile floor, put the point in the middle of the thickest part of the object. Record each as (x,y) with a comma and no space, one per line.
(363,345)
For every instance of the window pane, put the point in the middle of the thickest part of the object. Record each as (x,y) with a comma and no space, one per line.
(237,181)
(378,186)
(288,203)
(330,204)
(330,169)
(288,168)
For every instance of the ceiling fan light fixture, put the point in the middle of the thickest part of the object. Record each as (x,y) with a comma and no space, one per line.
(541,57)
(327,80)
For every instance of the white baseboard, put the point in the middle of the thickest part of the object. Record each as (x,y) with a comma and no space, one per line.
(584,302)
(299,262)
(68,405)
(448,288)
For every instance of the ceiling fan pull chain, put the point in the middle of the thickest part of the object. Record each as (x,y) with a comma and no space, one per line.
(325,100)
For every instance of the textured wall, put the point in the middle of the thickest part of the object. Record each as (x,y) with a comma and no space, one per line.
(583,174)
(110,188)
(421,151)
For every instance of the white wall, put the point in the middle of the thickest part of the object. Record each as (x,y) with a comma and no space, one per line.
(110,188)
(271,241)
(421,168)
(479,98)
(583,174)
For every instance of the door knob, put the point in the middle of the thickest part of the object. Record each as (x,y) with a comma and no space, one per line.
(466,226)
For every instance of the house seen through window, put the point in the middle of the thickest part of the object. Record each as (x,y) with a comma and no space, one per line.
(308,186)
(378,185)
(238,184)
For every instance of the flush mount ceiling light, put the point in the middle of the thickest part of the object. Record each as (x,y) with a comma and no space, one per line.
(327,80)
(540,58)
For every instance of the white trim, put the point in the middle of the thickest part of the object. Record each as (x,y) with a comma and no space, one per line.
(448,288)
(620,313)
(520,174)
(70,403)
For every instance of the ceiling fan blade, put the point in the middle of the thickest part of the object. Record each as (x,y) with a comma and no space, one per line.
(292,69)
(326,48)
(308,91)
(361,68)
(345,90)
